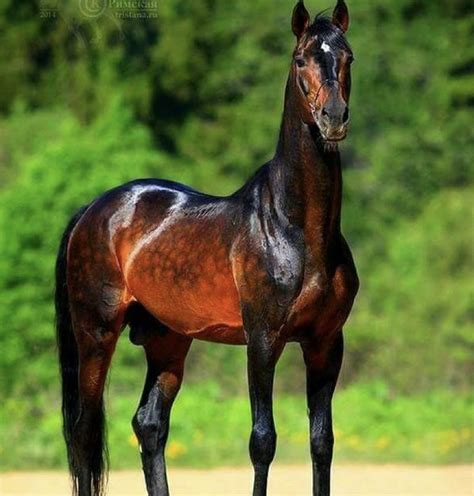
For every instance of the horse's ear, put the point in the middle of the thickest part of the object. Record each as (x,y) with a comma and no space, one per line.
(300,20)
(340,16)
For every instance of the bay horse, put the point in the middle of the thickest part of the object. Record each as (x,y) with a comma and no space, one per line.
(261,267)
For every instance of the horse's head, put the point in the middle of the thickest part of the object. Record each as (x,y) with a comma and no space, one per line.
(321,70)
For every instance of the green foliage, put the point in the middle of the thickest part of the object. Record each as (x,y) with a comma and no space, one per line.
(57,177)
(413,320)
(196,96)
(210,429)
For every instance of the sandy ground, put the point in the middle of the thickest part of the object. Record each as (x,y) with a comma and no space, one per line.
(367,480)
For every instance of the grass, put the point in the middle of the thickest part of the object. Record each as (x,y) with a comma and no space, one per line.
(208,429)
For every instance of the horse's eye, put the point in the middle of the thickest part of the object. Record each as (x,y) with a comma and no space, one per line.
(300,61)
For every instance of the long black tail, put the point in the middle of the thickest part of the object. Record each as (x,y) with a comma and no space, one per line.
(69,366)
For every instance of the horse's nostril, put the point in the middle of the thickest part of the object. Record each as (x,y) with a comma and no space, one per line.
(324,112)
(345,117)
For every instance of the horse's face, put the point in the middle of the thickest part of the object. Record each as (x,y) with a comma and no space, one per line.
(321,70)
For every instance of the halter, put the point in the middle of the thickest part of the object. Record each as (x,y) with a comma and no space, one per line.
(325,82)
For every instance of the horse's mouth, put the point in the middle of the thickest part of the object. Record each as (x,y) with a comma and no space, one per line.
(328,133)
(334,137)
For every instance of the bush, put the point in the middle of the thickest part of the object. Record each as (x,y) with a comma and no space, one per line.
(412,323)
(52,181)
(210,429)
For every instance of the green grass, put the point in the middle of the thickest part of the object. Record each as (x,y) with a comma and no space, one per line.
(208,429)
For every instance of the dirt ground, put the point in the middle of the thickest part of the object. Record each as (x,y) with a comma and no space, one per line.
(366,480)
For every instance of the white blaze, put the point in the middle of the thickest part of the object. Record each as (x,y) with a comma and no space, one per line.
(325,47)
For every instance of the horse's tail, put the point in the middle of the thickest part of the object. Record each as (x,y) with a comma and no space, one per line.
(67,348)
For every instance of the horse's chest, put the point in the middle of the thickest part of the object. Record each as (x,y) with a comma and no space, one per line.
(324,302)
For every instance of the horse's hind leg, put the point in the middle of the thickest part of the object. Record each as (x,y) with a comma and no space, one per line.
(96,340)
(91,300)
(165,352)
(97,312)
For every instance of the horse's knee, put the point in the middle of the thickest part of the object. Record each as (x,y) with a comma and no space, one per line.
(322,447)
(150,432)
(150,423)
(262,444)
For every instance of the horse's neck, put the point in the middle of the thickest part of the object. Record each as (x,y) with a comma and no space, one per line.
(307,181)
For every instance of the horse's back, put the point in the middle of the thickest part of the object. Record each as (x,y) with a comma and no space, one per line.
(123,215)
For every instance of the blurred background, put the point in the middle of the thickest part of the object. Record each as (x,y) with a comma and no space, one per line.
(93,94)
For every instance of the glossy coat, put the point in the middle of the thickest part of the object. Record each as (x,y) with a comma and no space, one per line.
(262,267)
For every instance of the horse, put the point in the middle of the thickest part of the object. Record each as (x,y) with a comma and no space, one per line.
(262,267)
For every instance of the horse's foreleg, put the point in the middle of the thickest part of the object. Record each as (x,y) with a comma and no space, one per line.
(263,353)
(322,370)
(165,357)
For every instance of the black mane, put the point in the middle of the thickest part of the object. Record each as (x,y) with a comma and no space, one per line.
(324,28)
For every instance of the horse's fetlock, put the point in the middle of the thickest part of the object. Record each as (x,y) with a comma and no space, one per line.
(322,448)
(263,444)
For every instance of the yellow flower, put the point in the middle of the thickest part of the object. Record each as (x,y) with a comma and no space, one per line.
(448,440)
(337,433)
(176,449)
(382,442)
(353,441)
(132,440)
